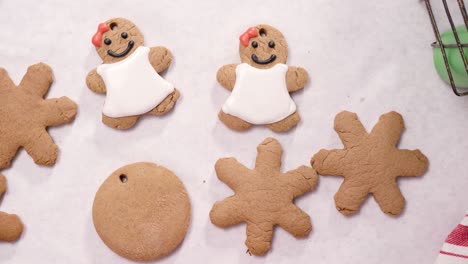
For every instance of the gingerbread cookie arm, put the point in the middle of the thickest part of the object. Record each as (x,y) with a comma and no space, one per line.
(160,58)
(37,79)
(349,129)
(231,172)
(389,128)
(59,111)
(227,212)
(42,148)
(95,83)
(226,76)
(269,156)
(329,162)
(295,221)
(259,237)
(296,78)
(5,81)
(300,180)
(411,163)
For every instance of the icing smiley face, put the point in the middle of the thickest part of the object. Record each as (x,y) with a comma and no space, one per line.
(116,39)
(263,47)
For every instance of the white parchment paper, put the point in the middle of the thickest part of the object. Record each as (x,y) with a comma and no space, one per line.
(369,57)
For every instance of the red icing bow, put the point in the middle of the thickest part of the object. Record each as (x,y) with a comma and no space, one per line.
(97,38)
(250,33)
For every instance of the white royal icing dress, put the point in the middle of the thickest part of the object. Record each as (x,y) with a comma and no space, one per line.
(260,96)
(133,85)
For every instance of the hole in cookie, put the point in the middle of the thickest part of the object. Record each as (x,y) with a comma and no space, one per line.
(123,178)
(113,26)
(262,32)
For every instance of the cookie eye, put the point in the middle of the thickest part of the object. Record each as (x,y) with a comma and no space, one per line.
(124,35)
(107,41)
(254,44)
(271,44)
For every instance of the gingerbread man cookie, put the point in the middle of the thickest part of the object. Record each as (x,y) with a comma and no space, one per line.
(263,197)
(370,163)
(10,224)
(261,84)
(25,115)
(129,75)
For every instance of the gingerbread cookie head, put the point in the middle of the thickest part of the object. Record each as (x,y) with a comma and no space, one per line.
(116,39)
(263,47)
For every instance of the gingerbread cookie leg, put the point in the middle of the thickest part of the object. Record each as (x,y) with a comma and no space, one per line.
(11,227)
(389,198)
(7,152)
(350,197)
(259,237)
(42,149)
(233,122)
(10,224)
(295,221)
(285,124)
(121,122)
(166,105)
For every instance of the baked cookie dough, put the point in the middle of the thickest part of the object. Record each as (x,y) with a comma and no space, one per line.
(263,197)
(129,75)
(142,211)
(370,163)
(261,84)
(11,226)
(25,116)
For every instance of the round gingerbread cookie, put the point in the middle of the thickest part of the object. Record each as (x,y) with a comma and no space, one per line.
(142,211)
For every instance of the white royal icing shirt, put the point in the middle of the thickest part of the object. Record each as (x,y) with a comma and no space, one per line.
(133,85)
(260,96)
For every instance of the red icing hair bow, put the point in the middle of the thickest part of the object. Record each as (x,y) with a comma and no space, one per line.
(250,33)
(97,38)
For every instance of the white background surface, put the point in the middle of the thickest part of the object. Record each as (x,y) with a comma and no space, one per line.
(368,57)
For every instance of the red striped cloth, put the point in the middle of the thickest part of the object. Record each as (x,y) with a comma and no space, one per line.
(455,248)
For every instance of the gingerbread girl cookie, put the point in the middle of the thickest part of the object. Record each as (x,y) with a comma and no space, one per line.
(25,116)
(370,163)
(263,197)
(129,75)
(261,84)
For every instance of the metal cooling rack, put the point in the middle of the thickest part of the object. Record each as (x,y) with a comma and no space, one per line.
(438,43)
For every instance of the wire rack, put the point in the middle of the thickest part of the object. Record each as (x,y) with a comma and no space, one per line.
(438,43)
